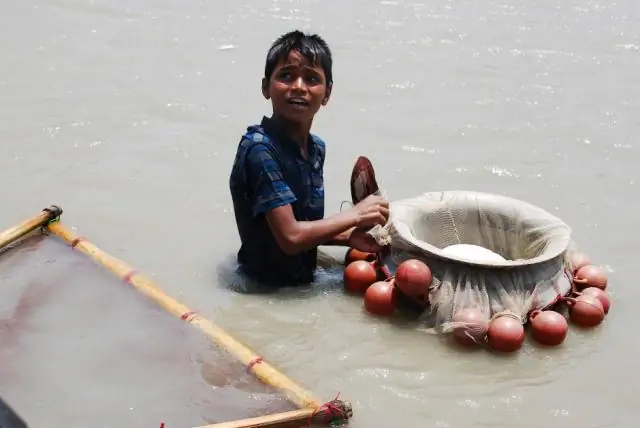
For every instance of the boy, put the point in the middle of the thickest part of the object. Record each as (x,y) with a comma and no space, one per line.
(276,181)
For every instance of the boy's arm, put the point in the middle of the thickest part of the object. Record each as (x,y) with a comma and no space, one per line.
(272,197)
(295,236)
(341,239)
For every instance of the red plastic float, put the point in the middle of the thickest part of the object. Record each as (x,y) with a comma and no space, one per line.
(601,295)
(590,276)
(578,260)
(470,326)
(413,278)
(505,334)
(353,255)
(585,310)
(359,275)
(380,299)
(548,327)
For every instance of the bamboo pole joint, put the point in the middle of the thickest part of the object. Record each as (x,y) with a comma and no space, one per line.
(16,233)
(55,212)
(333,411)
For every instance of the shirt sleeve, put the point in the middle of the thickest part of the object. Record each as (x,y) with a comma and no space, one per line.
(265,178)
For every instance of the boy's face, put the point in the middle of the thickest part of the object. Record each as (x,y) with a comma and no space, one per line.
(297,89)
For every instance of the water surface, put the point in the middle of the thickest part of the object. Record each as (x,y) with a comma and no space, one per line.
(127,114)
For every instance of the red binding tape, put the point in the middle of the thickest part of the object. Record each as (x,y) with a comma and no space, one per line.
(332,411)
(76,241)
(256,360)
(127,276)
(187,315)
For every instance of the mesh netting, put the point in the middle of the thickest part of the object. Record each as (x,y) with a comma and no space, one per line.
(489,252)
(80,348)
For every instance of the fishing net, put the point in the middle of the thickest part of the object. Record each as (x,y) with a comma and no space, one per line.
(80,348)
(451,231)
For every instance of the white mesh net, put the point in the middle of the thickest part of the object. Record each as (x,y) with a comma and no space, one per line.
(511,261)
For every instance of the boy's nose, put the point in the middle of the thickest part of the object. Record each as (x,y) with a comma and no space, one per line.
(299,84)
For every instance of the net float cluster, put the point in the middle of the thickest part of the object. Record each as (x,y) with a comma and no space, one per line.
(362,276)
(588,303)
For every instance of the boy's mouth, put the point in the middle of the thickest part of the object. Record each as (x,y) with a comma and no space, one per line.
(298,102)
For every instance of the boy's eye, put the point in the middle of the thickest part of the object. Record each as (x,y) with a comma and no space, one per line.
(309,78)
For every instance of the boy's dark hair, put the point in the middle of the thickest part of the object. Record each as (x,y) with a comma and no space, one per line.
(311,46)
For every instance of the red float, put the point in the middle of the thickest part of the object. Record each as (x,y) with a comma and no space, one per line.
(469,326)
(590,276)
(548,327)
(578,260)
(379,299)
(413,278)
(359,275)
(353,255)
(585,310)
(505,334)
(601,295)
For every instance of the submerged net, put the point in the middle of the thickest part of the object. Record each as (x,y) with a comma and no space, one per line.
(80,348)
(525,271)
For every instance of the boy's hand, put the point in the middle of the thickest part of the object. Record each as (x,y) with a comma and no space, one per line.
(371,211)
(360,240)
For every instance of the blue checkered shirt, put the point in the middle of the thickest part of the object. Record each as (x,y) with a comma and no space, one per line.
(269,172)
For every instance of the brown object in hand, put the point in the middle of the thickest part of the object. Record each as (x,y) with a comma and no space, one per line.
(363,180)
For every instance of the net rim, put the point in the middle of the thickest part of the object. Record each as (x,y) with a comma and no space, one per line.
(561,240)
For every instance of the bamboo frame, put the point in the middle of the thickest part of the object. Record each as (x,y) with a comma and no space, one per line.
(20,230)
(246,356)
(324,415)
(311,412)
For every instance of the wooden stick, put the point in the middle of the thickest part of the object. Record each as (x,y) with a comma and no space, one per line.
(16,232)
(263,370)
(333,411)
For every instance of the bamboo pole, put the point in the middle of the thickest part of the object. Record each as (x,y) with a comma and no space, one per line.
(18,231)
(333,411)
(261,369)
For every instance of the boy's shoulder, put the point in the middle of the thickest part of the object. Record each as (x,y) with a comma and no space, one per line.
(257,139)
(320,147)
(256,134)
(318,141)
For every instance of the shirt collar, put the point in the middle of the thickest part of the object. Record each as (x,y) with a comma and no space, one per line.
(276,132)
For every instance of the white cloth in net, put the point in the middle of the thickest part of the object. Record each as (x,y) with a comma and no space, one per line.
(533,243)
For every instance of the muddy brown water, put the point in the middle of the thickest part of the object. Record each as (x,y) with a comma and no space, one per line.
(128,113)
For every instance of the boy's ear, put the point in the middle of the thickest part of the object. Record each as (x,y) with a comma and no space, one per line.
(265,87)
(327,95)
